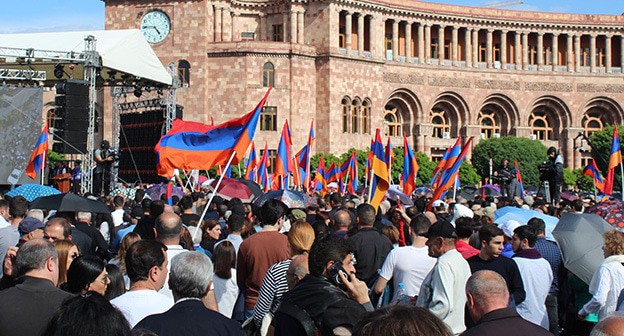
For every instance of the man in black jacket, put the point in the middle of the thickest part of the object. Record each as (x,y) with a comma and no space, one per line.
(487,301)
(316,303)
(99,244)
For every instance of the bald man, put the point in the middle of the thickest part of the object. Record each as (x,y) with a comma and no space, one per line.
(488,298)
(612,325)
(168,227)
(297,270)
(342,220)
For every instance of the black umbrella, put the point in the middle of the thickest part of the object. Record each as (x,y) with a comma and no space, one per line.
(69,203)
(253,187)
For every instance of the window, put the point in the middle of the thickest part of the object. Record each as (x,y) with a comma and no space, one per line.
(392,121)
(482,52)
(447,49)
(585,56)
(532,54)
(434,48)
(388,41)
(346,111)
(600,57)
(271,157)
(278,33)
(268,75)
(540,125)
(497,52)
(184,73)
(268,118)
(365,117)
(489,124)
(441,126)
(342,38)
(592,123)
(355,116)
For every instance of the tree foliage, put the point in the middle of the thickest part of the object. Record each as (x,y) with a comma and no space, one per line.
(529,154)
(601,141)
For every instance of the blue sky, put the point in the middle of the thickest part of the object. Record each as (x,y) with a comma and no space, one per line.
(22,16)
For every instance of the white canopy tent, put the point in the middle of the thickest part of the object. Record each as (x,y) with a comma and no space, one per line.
(124,51)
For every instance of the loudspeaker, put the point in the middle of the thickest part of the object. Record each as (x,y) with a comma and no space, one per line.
(72,113)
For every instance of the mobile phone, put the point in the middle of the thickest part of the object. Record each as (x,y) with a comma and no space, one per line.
(334,276)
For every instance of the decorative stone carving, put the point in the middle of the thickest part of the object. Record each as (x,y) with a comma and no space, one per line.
(393,77)
(544,86)
(497,84)
(450,82)
(588,87)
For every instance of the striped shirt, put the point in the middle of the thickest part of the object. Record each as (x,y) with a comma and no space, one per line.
(271,291)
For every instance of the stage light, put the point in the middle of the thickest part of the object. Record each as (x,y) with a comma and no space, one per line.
(58,71)
(137,91)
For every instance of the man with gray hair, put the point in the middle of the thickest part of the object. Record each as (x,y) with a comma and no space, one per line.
(28,307)
(83,224)
(488,300)
(190,280)
(612,325)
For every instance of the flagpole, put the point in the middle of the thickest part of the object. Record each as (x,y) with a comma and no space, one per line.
(212,196)
(346,181)
(239,171)
(42,172)
(622,176)
(370,186)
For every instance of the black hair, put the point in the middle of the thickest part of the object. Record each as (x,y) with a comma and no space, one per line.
(401,320)
(118,201)
(489,231)
(366,214)
(325,249)
(146,204)
(186,202)
(90,314)
(83,271)
(336,199)
(420,224)
(577,205)
(537,224)
(117,286)
(142,256)
(551,150)
(18,206)
(235,223)
(526,232)
(464,227)
(139,195)
(156,208)
(271,211)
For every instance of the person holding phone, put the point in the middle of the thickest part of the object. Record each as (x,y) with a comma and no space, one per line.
(330,298)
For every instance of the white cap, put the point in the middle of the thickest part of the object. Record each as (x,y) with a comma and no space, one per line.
(509,227)
(332,185)
(437,203)
(461,211)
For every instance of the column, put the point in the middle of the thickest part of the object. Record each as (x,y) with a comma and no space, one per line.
(348,32)
(489,51)
(441,42)
(577,53)
(300,27)
(540,51)
(503,49)
(408,42)
(569,53)
(475,47)
(555,51)
(263,28)
(427,42)
(293,26)
(395,39)
(421,43)
(608,52)
(361,34)
(468,47)
(569,150)
(234,35)
(525,50)
(517,50)
(454,45)
(217,21)
(225,21)
(592,53)
(285,27)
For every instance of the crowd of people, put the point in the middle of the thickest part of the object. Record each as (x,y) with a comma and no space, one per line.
(340,267)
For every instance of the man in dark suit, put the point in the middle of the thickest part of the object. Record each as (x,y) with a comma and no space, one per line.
(190,279)
(488,300)
(28,307)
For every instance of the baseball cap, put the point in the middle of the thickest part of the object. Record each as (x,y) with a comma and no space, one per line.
(28,225)
(509,227)
(298,214)
(441,228)
(437,203)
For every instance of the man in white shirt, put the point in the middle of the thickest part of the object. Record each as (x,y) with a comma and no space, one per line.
(168,227)
(408,265)
(4,213)
(443,290)
(146,265)
(117,214)
(536,276)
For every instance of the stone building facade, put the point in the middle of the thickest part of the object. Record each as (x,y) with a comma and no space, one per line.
(433,71)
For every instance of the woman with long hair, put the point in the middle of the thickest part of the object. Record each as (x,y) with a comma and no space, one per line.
(67,252)
(224,282)
(119,260)
(117,286)
(210,234)
(300,239)
(87,273)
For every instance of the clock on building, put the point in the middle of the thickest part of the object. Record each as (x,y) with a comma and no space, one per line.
(155,26)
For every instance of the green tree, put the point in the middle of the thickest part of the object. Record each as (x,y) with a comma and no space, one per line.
(569,178)
(583,182)
(601,141)
(468,174)
(529,154)
(54,156)
(426,167)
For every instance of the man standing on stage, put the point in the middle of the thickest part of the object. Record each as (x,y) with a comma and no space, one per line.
(555,179)
(103,163)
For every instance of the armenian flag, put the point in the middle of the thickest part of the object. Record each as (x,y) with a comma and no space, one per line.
(262,177)
(379,176)
(252,163)
(448,177)
(410,168)
(449,156)
(519,178)
(349,170)
(320,176)
(38,157)
(592,170)
(389,157)
(614,160)
(303,158)
(283,160)
(189,148)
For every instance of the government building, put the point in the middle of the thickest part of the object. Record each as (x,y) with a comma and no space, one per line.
(433,71)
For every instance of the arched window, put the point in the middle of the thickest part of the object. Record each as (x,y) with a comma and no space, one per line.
(441,125)
(355,116)
(268,75)
(392,121)
(346,112)
(184,73)
(592,123)
(489,124)
(540,126)
(365,116)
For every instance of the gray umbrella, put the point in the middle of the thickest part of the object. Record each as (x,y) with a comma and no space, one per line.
(580,238)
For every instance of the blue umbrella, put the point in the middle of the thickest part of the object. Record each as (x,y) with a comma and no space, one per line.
(32,191)
(504,214)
